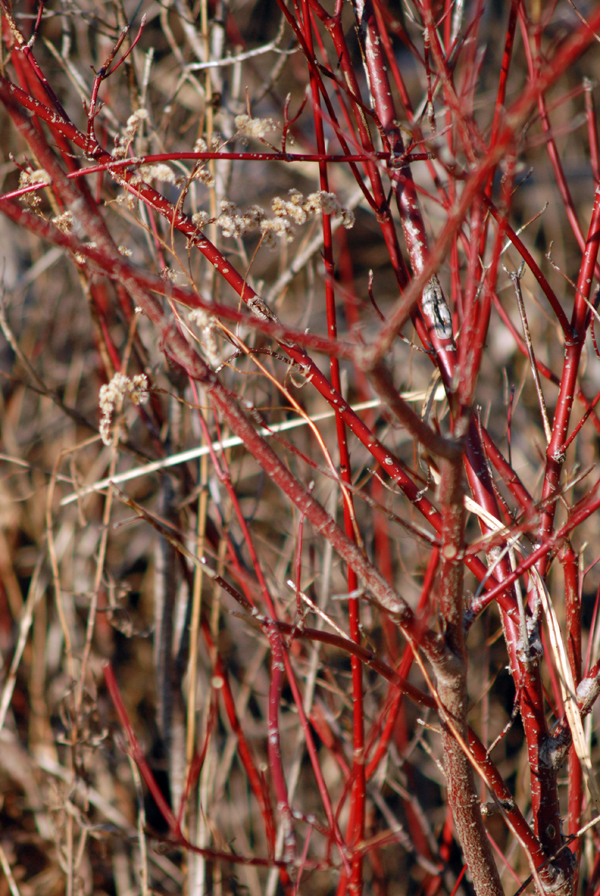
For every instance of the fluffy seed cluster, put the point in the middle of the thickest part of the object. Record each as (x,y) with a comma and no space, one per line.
(258,128)
(292,208)
(124,140)
(234,223)
(328,204)
(113,393)
(160,171)
(126,199)
(288,214)
(206,324)
(201,219)
(63,222)
(39,176)
(204,176)
(28,179)
(271,228)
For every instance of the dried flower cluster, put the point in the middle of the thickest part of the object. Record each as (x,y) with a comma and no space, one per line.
(39,176)
(201,219)
(112,395)
(288,214)
(63,222)
(204,176)
(207,325)
(30,178)
(158,171)
(162,172)
(123,141)
(258,128)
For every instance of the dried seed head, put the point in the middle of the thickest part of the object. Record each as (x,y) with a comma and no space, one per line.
(159,171)
(123,141)
(206,324)
(201,219)
(112,395)
(254,127)
(63,222)
(204,176)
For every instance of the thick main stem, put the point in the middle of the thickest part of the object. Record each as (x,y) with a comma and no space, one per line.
(452,688)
